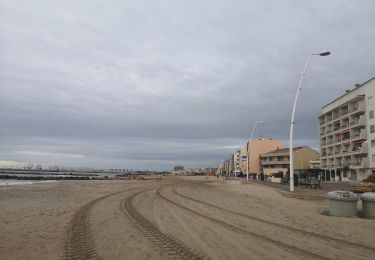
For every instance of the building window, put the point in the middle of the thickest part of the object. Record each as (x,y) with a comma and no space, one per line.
(371,114)
(372,128)
(373,143)
(373,157)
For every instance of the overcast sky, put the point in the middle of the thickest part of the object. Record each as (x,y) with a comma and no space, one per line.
(149,84)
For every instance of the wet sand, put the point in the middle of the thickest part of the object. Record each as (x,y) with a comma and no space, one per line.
(173,218)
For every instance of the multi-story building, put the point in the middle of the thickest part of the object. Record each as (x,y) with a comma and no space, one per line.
(243,160)
(347,134)
(231,165)
(257,147)
(237,163)
(278,160)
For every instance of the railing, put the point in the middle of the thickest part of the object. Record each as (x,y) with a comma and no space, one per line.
(274,162)
(357,163)
(354,135)
(359,135)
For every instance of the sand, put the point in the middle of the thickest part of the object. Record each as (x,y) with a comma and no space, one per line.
(173,218)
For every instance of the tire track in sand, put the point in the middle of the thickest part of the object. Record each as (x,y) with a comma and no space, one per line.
(340,242)
(79,243)
(168,245)
(277,243)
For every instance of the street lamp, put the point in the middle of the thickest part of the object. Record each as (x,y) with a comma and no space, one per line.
(291,170)
(248,148)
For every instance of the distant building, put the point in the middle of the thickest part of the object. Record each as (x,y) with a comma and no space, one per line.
(209,171)
(178,168)
(257,147)
(243,160)
(347,134)
(278,160)
(237,163)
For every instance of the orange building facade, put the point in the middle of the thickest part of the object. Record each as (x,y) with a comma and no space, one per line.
(257,147)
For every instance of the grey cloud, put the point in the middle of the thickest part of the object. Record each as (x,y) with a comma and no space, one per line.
(98,78)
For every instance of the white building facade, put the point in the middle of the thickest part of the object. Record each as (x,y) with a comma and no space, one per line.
(347,134)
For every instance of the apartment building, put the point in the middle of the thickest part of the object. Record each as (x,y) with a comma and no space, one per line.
(278,160)
(243,160)
(347,134)
(257,147)
(237,163)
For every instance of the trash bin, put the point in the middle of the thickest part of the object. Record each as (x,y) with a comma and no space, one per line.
(368,204)
(342,203)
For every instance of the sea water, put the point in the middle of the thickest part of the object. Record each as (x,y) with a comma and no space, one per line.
(21,182)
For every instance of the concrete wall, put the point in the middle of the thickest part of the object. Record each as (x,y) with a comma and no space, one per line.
(302,158)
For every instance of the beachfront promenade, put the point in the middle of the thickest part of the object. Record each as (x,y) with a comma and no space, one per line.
(302,190)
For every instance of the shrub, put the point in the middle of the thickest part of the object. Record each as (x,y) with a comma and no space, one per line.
(278,174)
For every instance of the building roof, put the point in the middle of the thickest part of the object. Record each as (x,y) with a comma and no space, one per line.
(283,151)
(348,92)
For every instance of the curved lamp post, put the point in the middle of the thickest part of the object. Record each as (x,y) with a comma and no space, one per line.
(248,148)
(291,170)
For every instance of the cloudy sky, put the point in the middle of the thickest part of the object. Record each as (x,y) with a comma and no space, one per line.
(149,84)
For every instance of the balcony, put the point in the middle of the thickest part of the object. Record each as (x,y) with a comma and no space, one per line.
(347,163)
(360,108)
(346,138)
(360,149)
(345,125)
(344,112)
(335,129)
(358,136)
(358,122)
(275,162)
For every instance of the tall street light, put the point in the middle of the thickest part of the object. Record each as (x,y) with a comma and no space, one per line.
(248,148)
(291,170)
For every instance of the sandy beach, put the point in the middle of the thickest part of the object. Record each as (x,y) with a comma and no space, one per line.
(173,218)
